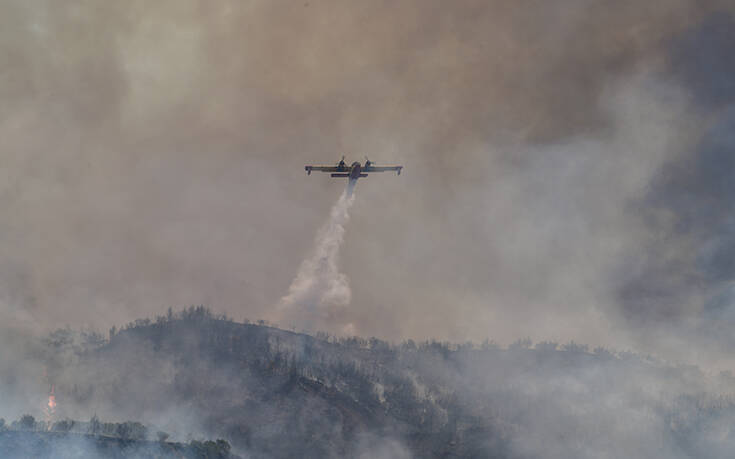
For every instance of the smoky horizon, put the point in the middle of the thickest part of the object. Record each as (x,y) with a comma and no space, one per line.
(567,168)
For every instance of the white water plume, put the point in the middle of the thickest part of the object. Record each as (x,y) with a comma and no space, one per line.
(319,289)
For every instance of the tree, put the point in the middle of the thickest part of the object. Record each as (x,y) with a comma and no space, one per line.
(132,431)
(63,426)
(223,447)
(94,425)
(603,353)
(211,449)
(27,422)
(574,347)
(162,436)
(547,346)
(123,430)
(524,343)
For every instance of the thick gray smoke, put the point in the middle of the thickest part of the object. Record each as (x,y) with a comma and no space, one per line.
(320,290)
(153,157)
(571,178)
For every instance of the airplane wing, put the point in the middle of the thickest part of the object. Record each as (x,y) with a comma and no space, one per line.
(322,168)
(382,168)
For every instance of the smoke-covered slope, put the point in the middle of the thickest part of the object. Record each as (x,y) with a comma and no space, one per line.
(275,393)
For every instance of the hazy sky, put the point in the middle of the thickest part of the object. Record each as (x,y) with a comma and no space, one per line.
(568,165)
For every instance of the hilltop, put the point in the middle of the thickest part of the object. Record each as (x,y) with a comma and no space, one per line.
(273,392)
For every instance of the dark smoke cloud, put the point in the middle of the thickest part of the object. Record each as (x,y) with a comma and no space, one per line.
(699,58)
(153,156)
(685,276)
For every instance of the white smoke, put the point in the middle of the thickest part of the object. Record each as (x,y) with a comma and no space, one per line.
(319,290)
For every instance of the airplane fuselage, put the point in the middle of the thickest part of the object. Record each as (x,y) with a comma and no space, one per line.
(355,171)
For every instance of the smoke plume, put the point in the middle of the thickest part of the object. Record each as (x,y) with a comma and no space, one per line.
(319,290)
(153,157)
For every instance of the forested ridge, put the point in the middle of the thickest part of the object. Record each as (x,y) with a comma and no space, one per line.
(272,392)
(68,439)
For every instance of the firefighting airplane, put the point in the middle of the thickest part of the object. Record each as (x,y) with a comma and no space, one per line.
(354,171)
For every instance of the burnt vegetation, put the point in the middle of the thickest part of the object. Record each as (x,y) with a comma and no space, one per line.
(273,392)
(28,437)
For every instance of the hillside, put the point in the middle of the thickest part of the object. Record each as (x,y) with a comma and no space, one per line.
(273,393)
(59,445)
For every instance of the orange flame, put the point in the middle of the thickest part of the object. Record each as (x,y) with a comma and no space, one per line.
(50,409)
(52,400)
